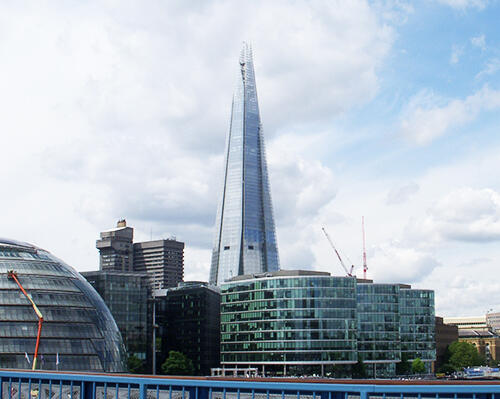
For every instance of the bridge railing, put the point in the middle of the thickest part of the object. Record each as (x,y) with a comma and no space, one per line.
(49,385)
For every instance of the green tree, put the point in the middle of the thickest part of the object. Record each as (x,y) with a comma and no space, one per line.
(418,366)
(177,364)
(135,365)
(359,369)
(464,354)
(403,367)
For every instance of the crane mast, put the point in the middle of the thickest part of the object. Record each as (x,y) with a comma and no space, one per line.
(13,275)
(349,273)
(365,266)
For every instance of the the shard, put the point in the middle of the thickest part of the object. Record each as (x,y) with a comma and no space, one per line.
(245,238)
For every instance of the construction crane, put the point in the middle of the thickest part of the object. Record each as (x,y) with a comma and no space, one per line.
(365,266)
(348,272)
(13,275)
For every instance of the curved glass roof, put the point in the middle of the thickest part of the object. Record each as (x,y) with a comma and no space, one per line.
(78,332)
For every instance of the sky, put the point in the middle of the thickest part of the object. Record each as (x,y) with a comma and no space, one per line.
(382,109)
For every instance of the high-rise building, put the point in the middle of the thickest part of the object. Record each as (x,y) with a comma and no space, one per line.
(161,260)
(115,248)
(245,239)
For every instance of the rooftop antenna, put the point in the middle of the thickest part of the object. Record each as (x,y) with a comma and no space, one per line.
(365,266)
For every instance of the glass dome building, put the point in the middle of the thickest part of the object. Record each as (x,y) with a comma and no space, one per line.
(78,331)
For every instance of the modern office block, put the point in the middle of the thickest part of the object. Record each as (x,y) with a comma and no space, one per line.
(188,317)
(305,322)
(126,295)
(445,335)
(417,324)
(78,331)
(115,248)
(245,239)
(161,260)
(378,327)
(289,322)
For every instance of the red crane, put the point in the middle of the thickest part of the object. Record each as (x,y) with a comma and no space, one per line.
(348,272)
(13,275)
(365,266)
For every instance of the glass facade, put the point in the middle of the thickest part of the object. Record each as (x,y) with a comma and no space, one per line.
(245,239)
(126,295)
(418,326)
(189,322)
(292,320)
(78,332)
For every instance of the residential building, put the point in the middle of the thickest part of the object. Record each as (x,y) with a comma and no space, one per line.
(188,317)
(115,248)
(245,238)
(78,331)
(126,295)
(162,260)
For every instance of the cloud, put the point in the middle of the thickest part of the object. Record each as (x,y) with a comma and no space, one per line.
(465,214)
(428,116)
(479,41)
(456,53)
(401,194)
(464,4)
(396,263)
(492,67)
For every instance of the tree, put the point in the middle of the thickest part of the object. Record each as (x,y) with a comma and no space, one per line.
(403,367)
(359,369)
(135,365)
(464,354)
(418,366)
(177,364)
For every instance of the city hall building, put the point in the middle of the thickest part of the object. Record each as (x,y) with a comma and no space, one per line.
(306,322)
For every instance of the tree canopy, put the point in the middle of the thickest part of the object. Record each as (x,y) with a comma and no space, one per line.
(418,366)
(177,364)
(135,365)
(464,354)
(403,367)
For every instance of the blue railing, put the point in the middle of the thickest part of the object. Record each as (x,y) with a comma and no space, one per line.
(50,385)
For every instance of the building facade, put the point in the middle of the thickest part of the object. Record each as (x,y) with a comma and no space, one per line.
(245,238)
(305,323)
(289,322)
(116,248)
(78,332)
(188,317)
(446,334)
(161,260)
(126,295)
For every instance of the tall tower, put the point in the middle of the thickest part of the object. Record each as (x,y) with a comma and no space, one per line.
(245,239)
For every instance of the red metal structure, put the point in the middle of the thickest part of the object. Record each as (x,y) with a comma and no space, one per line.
(13,275)
(365,266)
(348,272)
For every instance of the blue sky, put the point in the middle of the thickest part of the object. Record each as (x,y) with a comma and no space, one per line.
(382,109)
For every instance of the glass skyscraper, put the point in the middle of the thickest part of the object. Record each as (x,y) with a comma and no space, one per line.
(245,239)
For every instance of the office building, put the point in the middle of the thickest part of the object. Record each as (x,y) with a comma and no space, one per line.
(161,260)
(304,323)
(188,317)
(245,239)
(115,248)
(78,332)
(126,295)
(289,322)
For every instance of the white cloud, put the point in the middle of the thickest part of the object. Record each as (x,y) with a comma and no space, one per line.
(465,214)
(464,4)
(427,116)
(492,67)
(401,194)
(456,53)
(479,41)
